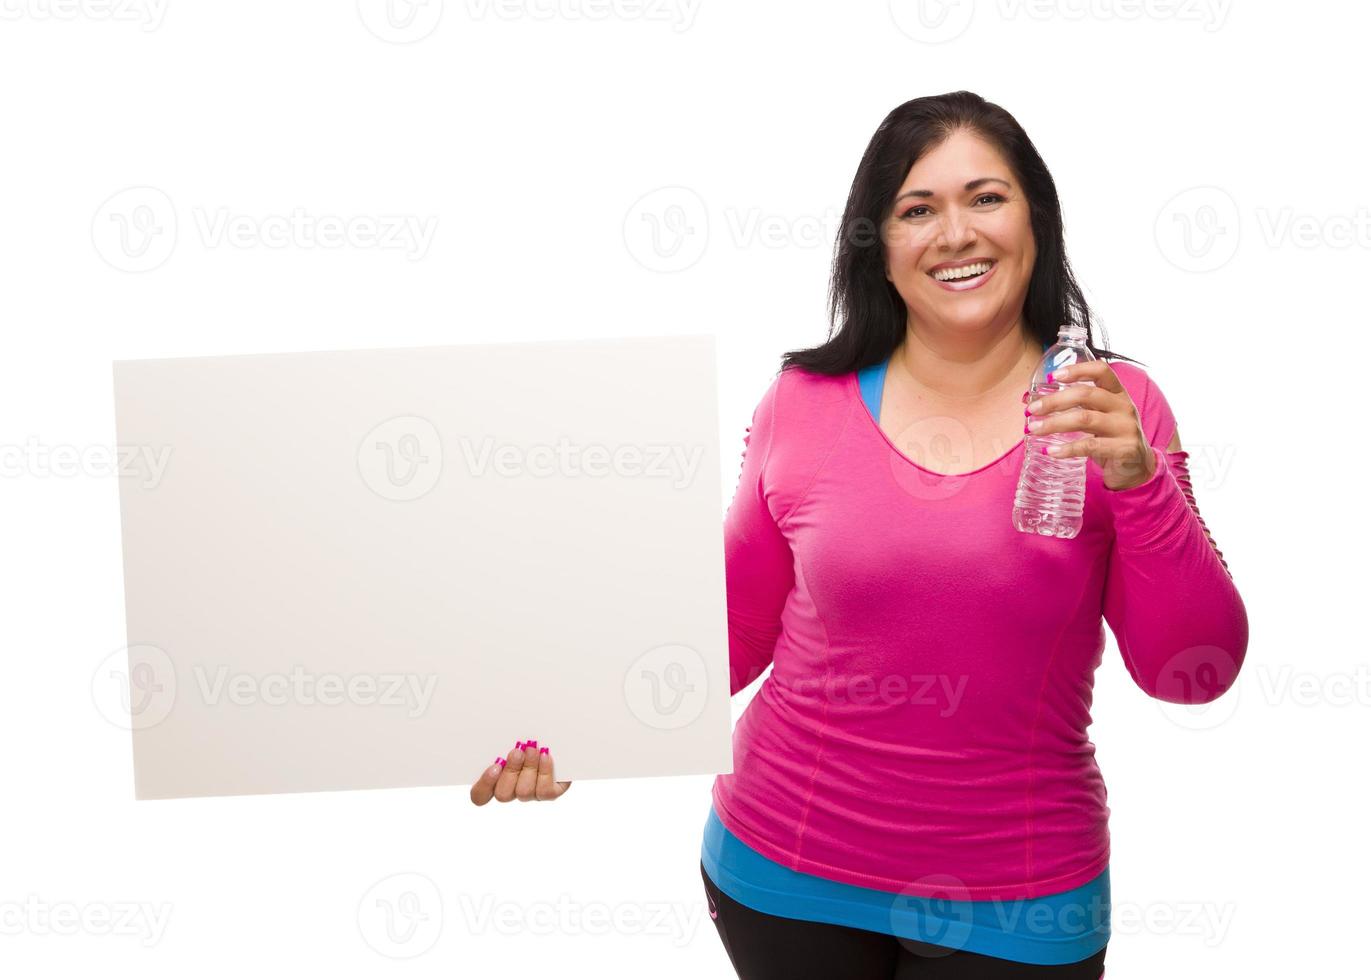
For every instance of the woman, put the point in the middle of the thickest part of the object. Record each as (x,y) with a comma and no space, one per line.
(914,793)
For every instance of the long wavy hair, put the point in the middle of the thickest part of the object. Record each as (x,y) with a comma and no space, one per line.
(867,316)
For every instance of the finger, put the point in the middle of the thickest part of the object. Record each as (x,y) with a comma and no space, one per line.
(484,788)
(548,787)
(528,775)
(505,785)
(1089,396)
(1089,446)
(1101,373)
(1080,419)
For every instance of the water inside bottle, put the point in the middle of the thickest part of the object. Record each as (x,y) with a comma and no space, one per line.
(1050,497)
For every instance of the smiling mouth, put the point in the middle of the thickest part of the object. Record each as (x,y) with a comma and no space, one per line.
(962,273)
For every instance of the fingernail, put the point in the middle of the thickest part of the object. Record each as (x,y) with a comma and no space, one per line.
(543,750)
(499,763)
(1025,428)
(1027,412)
(1045,448)
(518,745)
(1049,377)
(533,744)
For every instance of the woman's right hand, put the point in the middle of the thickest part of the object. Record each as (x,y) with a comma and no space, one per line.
(525,775)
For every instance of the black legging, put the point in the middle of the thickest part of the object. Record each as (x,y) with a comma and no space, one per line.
(772,947)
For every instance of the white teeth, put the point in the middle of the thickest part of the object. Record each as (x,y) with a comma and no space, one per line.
(962,271)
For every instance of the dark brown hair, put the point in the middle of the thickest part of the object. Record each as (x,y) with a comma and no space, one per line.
(867,315)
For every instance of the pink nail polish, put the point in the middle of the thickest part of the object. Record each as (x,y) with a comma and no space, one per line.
(1045,451)
(543,750)
(1025,428)
(1049,377)
(533,744)
(1026,413)
(500,762)
(518,745)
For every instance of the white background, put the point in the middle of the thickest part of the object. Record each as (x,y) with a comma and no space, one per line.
(532,140)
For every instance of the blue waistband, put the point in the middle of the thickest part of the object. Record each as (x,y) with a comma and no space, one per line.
(1048,930)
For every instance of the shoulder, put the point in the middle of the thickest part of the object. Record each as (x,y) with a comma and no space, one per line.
(1158,421)
(798,398)
(804,387)
(802,416)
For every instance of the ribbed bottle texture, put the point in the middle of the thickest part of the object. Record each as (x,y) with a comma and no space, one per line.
(1050,498)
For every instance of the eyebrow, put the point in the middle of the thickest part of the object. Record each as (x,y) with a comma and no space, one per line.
(971,185)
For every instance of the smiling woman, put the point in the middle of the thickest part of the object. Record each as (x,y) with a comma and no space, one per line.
(864,831)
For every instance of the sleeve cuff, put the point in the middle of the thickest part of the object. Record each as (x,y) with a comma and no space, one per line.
(1145,516)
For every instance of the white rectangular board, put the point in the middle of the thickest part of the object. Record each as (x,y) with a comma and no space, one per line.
(381,568)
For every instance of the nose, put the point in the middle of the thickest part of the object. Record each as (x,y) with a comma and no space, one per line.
(955,232)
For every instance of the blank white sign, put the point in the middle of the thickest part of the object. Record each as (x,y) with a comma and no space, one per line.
(381,568)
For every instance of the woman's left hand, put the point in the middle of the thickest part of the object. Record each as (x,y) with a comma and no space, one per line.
(1115,438)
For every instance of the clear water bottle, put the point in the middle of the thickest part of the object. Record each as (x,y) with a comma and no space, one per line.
(1051,494)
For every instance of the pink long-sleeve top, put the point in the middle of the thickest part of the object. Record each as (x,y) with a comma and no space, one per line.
(923,727)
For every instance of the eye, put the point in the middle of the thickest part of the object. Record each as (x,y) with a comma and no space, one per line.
(992,198)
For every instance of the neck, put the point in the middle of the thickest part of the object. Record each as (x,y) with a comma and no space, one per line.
(967,365)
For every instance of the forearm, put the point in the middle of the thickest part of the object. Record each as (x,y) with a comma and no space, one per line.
(1170,599)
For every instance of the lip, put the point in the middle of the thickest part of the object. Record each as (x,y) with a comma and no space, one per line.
(956,262)
(963,285)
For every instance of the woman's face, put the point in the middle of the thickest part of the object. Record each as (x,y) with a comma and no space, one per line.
(958,205)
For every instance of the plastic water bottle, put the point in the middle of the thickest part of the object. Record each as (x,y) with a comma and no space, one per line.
(1051,493)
